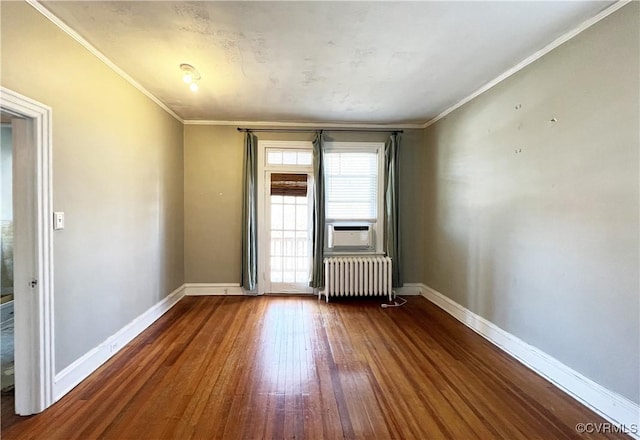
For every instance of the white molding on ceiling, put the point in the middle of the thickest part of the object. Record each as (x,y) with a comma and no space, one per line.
(319,125)
(73,34)
(530,59)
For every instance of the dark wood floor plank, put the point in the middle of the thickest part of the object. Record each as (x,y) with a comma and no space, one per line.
(294,367)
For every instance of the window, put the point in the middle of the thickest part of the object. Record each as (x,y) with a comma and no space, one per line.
(351,182)
(288,157)
(354,176)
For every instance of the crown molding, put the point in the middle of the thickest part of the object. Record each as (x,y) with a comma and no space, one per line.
(530,59)
(73,34)
(324,125)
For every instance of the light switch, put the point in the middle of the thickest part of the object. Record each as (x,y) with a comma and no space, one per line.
(58,220)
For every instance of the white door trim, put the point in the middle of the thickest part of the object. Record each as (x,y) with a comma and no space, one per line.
(263,225)
(262,280)
(34,327)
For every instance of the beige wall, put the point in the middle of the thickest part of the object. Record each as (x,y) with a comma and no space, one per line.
(213,199)
(212,204)
(117,175)
(533,224)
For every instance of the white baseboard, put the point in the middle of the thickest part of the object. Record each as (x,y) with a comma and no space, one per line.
(409,289)
(204,289)
(79,370)
(610,405)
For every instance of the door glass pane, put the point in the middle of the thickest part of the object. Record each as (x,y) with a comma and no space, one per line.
(289,217)
(276,216)
(290,257)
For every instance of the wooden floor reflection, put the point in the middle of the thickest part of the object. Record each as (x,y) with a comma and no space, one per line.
(296,367)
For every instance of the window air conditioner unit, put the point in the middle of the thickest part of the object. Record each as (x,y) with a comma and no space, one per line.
(350,237)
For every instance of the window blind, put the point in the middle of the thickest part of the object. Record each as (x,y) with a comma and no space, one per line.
(288,184)
(351,184)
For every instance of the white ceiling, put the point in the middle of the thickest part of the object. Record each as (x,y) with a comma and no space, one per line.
(348,62)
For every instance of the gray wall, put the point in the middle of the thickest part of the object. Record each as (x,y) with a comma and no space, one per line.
(213,199)
(534,224)
(117,175)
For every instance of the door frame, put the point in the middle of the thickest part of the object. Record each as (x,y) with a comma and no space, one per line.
(34,325)
(263,226)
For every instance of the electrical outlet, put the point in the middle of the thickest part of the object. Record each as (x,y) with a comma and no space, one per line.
(113,347)
(226,291)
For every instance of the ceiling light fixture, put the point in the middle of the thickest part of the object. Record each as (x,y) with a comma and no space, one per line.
(191,76)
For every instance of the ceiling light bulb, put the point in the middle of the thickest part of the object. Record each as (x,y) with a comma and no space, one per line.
(191,76)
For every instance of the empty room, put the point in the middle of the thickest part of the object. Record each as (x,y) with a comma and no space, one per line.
(320,220)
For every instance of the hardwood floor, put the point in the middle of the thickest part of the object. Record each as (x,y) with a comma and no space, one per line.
(296,367)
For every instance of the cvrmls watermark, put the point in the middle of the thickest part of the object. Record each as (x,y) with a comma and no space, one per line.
(606,428)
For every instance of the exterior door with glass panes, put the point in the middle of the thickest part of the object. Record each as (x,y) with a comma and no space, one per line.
(288,184)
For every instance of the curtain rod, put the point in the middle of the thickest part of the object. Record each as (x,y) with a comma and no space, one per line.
(310,130)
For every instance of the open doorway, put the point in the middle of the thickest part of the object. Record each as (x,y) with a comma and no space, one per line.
(7,379)
(27,252)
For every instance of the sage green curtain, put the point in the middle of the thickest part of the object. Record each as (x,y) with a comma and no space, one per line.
(317,264)
(391,201)
(249,213)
